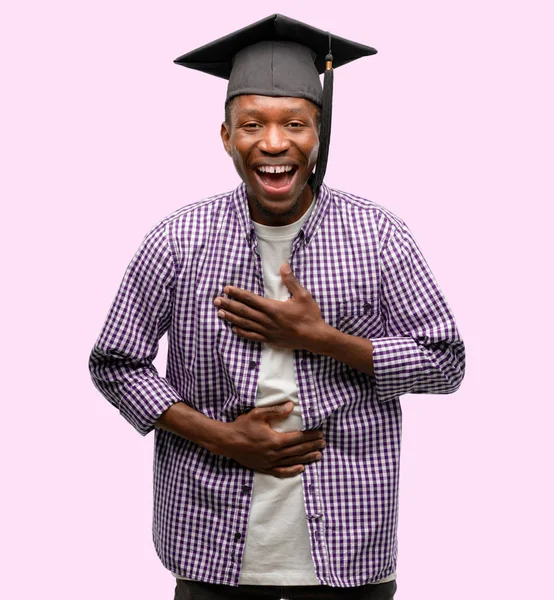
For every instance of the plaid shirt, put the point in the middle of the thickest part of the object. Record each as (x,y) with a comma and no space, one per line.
(369,278)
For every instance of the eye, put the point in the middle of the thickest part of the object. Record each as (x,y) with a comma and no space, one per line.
(295,124)
(251,126)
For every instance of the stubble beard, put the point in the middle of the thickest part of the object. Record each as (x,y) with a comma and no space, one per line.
(268,213)
(263,210)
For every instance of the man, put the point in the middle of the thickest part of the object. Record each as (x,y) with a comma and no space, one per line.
(297,315)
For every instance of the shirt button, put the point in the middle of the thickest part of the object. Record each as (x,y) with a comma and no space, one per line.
(246,489)
(238,536)
(253,364)
(314,517)
(367,307)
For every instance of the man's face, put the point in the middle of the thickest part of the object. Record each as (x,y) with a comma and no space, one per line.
(274,144)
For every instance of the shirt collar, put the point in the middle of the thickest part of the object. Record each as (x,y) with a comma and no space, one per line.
(321,208)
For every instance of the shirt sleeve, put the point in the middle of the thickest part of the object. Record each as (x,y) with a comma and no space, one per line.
(121,360)
(422,351)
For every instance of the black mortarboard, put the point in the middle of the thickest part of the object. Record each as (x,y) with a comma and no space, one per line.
(279,56)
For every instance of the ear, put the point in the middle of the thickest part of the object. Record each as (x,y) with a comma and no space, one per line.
(225,136)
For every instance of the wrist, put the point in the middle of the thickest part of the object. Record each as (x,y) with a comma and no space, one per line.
(323,339)
(194,426)
(219,438)
(355,351)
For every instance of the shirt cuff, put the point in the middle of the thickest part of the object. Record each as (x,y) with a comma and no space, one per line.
(398,365)
(145,403)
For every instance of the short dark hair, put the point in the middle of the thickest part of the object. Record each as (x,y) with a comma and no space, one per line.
(228,111)
(230,102)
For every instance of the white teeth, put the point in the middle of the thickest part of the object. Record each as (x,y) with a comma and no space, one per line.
(278,169)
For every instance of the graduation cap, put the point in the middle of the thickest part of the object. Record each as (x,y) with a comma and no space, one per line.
(279,56)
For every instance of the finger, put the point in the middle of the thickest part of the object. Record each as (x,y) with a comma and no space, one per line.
(283,472)
(302,449)
(277,411)
(290,281)
(249,298)
(240,310)
(250,335)
(241,322)
(295,438)
(303,459)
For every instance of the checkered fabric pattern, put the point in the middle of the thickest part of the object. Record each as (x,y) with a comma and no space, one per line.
(369,278)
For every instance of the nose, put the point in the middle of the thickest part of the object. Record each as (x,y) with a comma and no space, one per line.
(274,140)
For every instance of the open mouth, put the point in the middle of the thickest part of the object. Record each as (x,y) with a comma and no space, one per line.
(276,178)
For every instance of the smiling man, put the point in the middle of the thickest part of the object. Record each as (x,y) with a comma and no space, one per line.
(297,316)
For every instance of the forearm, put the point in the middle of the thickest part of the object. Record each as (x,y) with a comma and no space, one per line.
(192,425)
(357,352)
(250,440)
(133,387)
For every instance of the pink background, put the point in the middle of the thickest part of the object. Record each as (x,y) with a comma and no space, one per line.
(450,126)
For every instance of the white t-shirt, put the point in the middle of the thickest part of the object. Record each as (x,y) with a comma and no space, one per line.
(277,550)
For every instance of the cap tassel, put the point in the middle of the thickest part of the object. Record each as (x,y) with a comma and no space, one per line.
(325,125)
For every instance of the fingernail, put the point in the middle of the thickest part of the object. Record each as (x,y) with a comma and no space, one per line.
(287,269)
(220,313)
(217,302)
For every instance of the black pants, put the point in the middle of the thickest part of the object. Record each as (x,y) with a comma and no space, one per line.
(195,590)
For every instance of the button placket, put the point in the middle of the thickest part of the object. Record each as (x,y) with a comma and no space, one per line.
(313,504)
(238,535)
(308,390)
(315,517)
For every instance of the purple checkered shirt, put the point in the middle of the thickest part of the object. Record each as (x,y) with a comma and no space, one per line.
(369,278)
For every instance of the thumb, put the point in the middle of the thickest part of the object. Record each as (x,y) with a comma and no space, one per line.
(293,285)
(278,411)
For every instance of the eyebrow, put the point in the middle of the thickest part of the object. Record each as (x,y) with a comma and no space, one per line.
(253,112)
